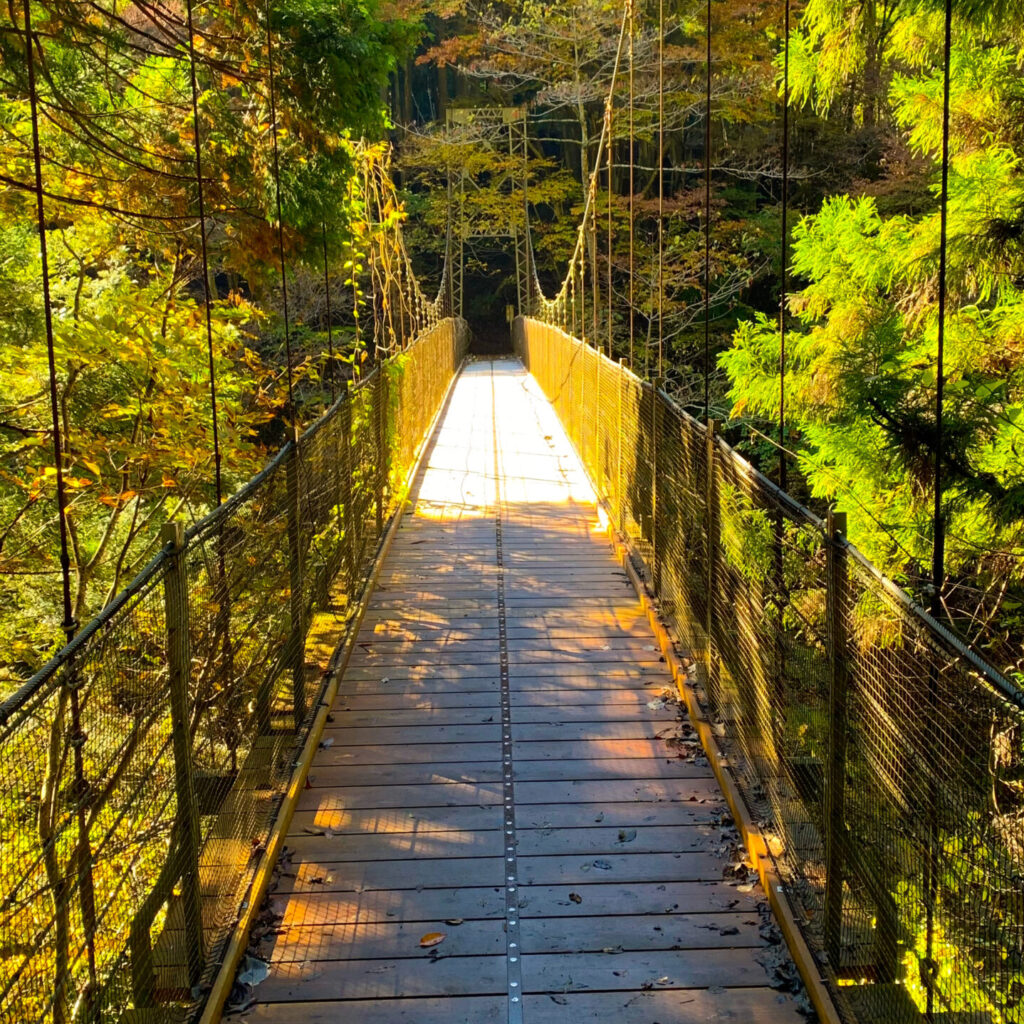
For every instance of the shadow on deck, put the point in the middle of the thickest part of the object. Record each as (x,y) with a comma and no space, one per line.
(507,773)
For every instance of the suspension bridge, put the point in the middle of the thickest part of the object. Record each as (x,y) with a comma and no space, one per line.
(506,691)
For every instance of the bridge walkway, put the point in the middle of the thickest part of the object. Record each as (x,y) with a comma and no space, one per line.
(506,767)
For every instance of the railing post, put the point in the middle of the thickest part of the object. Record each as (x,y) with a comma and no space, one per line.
(711,531)
(297,638)
(598,460)
(837,587)
(619,496)
(348,518)
(655,554)
(179,660)
(380,399)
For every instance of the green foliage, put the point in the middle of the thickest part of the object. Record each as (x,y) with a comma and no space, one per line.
(133,373)
(861,354)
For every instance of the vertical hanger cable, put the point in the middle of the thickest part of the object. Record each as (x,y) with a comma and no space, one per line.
(661,185)
(707,214)
(207,297)
(784,282)
(280,220)
(71,680)
(632,161)
(611,182)
(330,326)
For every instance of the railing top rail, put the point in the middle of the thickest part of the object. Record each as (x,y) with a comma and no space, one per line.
(1004,687)
(20,697)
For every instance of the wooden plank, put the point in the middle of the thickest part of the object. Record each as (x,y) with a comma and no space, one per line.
(607,768)
(559,697)
(541,677)
(436,1010)
(591,750)
(381,940)
(607,899)
(416,716)
(612,839)
(386,979)
(573,674)
(344,820)
(420,773)
(721,1006)
(618,790)
(382,683)
(439,795)
(413,734)
(381,846)
(425,701)
(592,731)
(431,905)
(411,753)
(684,969)
(641,932)
(455,649)
(691,866)
(593,712)
(620,815)
(363,876)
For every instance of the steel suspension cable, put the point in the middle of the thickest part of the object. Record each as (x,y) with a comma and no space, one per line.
(71,680)
(68,624)
(330,326)
(939,543)
(932,866)
(280,220)
(632,162)
(611,182)
(784,282)
(661,184)
(707,216)
(207,298)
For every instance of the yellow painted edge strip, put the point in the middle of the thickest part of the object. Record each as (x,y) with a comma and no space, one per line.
(757,849)
(222,984)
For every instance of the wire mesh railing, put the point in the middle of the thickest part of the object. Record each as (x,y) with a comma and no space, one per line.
(882,757)
(141,769)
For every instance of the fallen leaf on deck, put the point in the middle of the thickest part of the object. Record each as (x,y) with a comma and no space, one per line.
(432,939)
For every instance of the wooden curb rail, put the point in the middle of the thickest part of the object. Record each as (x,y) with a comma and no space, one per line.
(760,857)
(225,979)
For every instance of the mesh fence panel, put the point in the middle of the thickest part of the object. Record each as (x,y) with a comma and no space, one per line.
(883,759)
(142,770)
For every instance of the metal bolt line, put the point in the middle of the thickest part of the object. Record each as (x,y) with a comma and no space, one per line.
(513,943)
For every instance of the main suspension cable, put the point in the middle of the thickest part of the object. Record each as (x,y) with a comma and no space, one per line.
(611,182)
(632,161)
(207,298)
(330,326)
(784,282)
(661,184)
(71,680)
(292,412)
(69,624)
(707,216)
(939,542)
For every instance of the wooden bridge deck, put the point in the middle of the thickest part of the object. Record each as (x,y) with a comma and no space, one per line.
(496,771)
